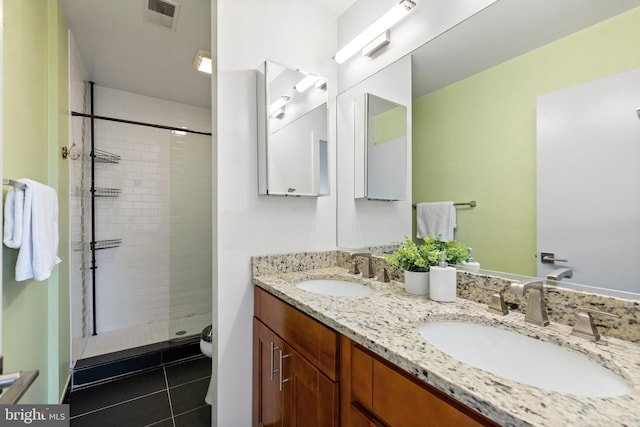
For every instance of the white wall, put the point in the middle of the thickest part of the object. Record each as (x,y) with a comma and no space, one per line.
(249,32)
(427,20)
(363,222)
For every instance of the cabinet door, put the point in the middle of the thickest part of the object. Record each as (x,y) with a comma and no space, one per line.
(310,399)
(377,393)
(267,398)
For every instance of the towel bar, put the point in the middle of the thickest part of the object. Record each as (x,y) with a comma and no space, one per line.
(471,204)
(16,385)
(13,183)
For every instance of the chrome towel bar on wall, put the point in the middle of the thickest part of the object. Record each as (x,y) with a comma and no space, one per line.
(471,204)
(13,183)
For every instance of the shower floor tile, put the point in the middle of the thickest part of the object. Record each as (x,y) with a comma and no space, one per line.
(165,396)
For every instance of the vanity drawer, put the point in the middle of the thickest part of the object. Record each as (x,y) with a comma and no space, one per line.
(316,342)
(395,398)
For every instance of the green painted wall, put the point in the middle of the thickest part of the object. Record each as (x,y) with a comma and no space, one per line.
(35,330)
(476,139)
(390,125)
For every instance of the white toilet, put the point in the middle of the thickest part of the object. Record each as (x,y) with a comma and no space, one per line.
(206,346)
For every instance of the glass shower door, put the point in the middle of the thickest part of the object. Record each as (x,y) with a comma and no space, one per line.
(190,234)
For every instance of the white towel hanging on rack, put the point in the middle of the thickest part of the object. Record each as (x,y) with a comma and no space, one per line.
(39,248)
(435,219)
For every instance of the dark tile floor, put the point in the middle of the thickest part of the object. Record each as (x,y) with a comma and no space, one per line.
(167,396)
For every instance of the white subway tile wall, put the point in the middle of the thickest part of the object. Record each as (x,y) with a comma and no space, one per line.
(161,272)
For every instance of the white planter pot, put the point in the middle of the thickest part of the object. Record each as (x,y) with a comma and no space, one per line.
(416,282)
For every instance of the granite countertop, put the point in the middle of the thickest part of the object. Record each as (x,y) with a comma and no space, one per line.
(385,323)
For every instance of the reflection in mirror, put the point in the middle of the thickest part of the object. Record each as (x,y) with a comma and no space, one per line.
(292,132)
(489,122)
(380,149)
(474,110)
(595,123)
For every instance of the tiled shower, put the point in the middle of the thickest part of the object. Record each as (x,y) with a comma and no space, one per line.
(153,279)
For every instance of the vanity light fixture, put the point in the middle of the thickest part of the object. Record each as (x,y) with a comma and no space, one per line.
(321,84)
(278,114)
(378,43)
(202,61)
(304,84)
(277,108)
(382,24)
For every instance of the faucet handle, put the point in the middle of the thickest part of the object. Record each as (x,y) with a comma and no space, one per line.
(384,275)
(497,304)
(584,327)
(353,268)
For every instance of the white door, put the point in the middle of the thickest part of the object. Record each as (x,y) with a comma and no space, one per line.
(588,181)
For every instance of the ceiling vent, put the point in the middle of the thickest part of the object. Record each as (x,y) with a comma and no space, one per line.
(162,12)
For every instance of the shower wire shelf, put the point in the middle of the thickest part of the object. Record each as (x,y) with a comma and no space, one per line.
(105,244)
(101,156)
(106,192)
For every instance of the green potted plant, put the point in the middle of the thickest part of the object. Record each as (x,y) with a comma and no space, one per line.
(417,259)
(455,251)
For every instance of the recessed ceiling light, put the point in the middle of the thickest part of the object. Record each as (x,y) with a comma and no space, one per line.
(202,62)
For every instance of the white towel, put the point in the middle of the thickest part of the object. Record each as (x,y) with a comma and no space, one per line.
(435,219)
(39,248)
(13,214)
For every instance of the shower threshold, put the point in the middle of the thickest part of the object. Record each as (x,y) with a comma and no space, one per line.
(136,336)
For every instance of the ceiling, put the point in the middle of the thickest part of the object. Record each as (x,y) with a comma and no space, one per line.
(335,7)
(121,50)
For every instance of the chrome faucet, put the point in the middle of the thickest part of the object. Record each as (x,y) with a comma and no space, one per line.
(367,266)
(560,273)
(536,308)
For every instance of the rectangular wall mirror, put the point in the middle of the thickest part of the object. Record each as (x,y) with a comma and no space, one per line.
(380,149)
(292,132)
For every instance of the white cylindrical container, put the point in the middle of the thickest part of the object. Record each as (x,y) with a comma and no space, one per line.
(416,282)
(442,282)
(472,265)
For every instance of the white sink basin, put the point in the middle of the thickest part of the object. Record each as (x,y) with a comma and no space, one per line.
(523,359)
(337,288)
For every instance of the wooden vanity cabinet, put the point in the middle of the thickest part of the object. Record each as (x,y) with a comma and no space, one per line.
(376,393)
(307,375)
(295,367)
